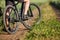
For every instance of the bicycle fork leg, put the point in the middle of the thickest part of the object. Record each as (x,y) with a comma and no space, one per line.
(30,14)
(21,14)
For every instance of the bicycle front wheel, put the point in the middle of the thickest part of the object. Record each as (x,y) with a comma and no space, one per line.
(34,16)
(8,17)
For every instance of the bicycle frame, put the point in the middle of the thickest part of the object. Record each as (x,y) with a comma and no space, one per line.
(21,11)
(17,15)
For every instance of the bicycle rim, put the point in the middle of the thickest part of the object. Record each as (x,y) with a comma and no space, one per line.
(36,16)
(10,25)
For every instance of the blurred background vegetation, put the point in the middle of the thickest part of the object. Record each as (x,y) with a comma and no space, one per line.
(49,28)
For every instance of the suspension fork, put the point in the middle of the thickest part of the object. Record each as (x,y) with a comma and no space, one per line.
(16,12)
(22,6)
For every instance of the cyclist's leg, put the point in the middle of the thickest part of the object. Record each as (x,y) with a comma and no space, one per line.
(26,5)
(25,8)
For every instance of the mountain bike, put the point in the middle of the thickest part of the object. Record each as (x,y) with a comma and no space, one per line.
(11,22)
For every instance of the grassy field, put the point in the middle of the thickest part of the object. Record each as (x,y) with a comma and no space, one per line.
(48,29)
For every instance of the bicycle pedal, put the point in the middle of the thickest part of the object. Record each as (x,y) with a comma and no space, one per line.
(24,19)
(30,15)
(15,20)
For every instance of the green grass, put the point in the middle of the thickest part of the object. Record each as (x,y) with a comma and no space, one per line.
(48,29)
(39,1)
(1,17)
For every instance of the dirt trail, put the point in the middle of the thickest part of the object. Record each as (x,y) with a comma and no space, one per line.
(19,35)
